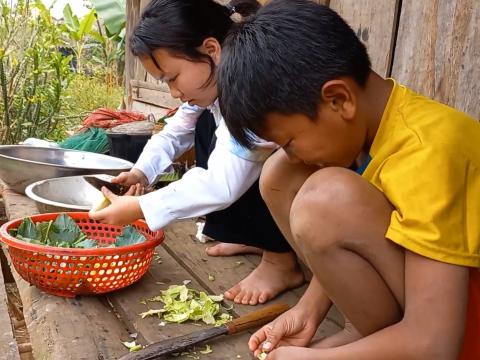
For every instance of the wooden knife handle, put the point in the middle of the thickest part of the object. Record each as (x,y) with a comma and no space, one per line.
(256,318)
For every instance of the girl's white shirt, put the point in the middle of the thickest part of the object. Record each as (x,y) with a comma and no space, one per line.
(232,169)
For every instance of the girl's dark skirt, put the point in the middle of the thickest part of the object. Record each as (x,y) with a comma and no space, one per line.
(247,221)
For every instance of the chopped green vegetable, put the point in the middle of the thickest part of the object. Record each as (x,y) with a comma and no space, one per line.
(169,177)
(211,277)
(151,312)
(64,232)
(207,350)
(132,345)
(182,304)
(262,356)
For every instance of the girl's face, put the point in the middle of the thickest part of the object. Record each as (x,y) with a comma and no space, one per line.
(187,80)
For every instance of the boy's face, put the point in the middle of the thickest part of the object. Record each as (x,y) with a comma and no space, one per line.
(329,140)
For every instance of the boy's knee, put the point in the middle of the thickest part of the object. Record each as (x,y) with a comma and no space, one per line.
(281,179)
(323,206)
(271,176)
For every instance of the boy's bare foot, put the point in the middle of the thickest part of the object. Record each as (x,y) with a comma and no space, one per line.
(346,336)
(227,249)
(276,273)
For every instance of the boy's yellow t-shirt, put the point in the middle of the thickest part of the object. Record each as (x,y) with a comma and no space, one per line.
(425,158)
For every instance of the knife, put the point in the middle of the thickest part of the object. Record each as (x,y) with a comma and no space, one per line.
(177,344)
(97,182)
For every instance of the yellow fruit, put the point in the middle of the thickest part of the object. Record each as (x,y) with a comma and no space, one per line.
(101,203)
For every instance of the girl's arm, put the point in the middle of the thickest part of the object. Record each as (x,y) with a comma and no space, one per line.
(176,138)
(201,191)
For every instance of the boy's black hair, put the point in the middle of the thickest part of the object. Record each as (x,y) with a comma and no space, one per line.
(278,60)
(181,26)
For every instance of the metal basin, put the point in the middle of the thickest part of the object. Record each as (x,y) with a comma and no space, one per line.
(24,165)
(71,193)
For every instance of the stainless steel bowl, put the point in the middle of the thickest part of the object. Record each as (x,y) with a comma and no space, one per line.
(71,193)
(24,165)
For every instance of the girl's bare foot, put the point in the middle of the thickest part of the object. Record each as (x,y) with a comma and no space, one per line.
(227,249)
(276,273)
(346,336)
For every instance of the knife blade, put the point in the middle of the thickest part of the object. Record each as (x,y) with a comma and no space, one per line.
(177,344)
(98,183)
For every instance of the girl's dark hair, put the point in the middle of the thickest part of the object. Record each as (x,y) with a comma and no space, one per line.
(278,60)
(181,26)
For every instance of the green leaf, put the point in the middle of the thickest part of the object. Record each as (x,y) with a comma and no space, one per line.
(97,36)
(27,229)
(130,236)
(113,14)
(44,229)
(86,24)
(71,20)
(87,244)
(65,229)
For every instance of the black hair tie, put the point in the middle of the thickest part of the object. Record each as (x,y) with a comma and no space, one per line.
(231,9)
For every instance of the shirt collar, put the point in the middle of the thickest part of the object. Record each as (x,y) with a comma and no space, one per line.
(215,109)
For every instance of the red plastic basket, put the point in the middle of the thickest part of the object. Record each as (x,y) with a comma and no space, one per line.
(70,272)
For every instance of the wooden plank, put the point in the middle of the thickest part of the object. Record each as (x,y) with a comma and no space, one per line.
(8,344)
(227,271)
(158,98)
(437,51)
(60,328)
(374,22)
(133,13)
(156,111)
(150,85)
(159,277)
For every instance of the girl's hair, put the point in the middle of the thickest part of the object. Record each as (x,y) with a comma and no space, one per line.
(181,26)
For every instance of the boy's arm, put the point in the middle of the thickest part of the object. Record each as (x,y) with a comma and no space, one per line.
(433,325)
(163,148)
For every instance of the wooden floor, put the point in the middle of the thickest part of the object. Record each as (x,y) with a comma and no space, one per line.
(93,327)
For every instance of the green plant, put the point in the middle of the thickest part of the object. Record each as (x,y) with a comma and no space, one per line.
(78,31)
(110,35)
(33,74)
(87,93)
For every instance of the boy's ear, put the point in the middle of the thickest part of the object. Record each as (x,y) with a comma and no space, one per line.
(212,48)
(338,95)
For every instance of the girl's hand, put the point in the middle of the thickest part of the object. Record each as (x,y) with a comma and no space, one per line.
(296,327)
(123,210)
(132,177)
(135,190)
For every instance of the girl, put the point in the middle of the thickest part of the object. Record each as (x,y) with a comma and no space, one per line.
(179,42)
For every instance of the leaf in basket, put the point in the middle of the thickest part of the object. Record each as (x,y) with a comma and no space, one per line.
(28,230)
(64,229)
(87,244)
(44,229)
(28,240)
(130,236)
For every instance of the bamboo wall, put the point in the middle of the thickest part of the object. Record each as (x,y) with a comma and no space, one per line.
(432,46)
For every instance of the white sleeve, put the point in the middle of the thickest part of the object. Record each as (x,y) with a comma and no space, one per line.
(201,191)
(163,148)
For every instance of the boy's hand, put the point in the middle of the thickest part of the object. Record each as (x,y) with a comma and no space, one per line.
(132,177)
(123,209)
(296,327)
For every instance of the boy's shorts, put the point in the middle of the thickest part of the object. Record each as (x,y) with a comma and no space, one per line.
(471,342)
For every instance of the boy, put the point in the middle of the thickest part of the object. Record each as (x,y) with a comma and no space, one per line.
(394,244)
